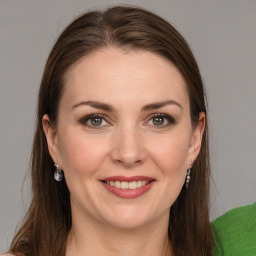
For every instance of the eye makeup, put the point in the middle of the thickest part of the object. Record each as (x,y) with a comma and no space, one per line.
(95,121)
(160,120)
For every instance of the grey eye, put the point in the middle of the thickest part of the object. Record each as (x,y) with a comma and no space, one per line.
(161,120)
(94,121)
(97,121)
(158,120)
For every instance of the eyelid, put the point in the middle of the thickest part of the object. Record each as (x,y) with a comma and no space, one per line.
(84,119)
(170,119)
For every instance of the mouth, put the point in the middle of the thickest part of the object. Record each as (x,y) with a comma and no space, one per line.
(128,187)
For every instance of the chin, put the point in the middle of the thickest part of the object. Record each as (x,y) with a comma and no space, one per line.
(128,223)
(131,217)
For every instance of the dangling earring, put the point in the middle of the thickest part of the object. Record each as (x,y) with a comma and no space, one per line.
(188,175)
(58,175)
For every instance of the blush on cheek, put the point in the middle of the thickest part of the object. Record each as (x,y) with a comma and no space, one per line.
(81,156)
(170,155)
(80,164)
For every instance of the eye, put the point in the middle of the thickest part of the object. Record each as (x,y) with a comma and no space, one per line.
(94,121)
(161,120)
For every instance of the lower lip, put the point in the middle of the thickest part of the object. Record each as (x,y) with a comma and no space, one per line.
(128,193)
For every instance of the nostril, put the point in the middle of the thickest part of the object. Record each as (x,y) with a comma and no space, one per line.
(128,162)
(128,150)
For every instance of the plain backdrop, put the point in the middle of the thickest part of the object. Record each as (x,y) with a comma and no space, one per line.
(222,35)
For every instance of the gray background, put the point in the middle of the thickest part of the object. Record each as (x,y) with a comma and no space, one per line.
(222,35)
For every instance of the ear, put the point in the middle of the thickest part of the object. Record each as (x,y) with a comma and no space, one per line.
(52,139)
(196,138)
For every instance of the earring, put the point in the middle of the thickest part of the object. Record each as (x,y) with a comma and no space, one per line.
(188,175)
(58,175)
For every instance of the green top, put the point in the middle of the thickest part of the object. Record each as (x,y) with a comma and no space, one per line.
(235,232)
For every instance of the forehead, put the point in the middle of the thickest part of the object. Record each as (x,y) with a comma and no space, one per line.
(124,75)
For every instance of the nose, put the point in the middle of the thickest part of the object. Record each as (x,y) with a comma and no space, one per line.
(128,149)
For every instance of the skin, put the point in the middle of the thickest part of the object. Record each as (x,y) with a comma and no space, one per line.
(128,142)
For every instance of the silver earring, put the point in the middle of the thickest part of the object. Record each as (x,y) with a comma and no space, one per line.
(58,175)
(188,175)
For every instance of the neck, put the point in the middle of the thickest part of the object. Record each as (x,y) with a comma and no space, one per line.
(93,238)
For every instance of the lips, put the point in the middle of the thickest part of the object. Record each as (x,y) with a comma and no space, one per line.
(128,187)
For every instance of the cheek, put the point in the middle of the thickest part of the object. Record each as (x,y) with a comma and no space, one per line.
(171,155)
(81,155)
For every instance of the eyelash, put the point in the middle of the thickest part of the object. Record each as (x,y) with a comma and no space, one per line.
(85,119)
(170,120)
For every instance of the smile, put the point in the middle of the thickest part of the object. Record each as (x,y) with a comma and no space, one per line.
(128,187)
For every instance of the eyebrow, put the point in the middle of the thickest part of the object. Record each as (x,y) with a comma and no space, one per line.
(109,108)
(95,104)
(158,105)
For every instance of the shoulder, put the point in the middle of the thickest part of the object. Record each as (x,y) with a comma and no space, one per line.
(238,218)
(235,231)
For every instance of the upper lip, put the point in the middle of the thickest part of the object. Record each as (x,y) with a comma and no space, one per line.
(128,179)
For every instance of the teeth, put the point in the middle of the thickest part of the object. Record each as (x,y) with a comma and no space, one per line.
(124,185)
(127,185)
(132,185)
(117,184)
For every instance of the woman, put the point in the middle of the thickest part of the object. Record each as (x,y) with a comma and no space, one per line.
(122,128)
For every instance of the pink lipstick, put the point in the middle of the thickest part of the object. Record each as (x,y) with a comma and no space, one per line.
(128,187)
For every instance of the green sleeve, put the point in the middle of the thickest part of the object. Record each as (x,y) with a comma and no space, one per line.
(217,250)
(235,232)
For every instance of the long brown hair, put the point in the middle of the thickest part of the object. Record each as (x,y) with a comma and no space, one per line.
(48,220)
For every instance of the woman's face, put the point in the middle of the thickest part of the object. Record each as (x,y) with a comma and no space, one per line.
(124,137)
